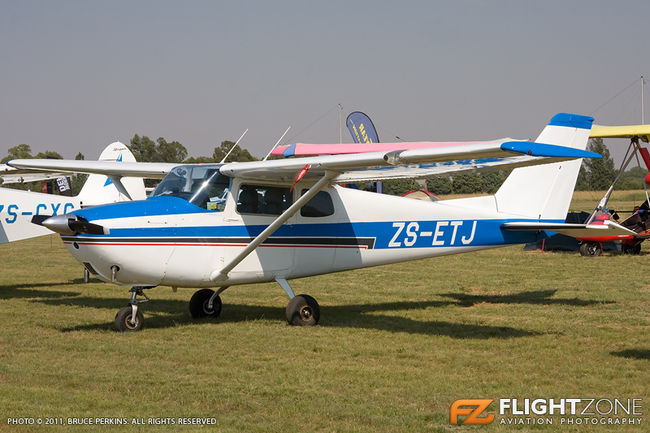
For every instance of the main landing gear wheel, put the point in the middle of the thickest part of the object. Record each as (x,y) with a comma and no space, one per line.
(200,304)
(631,249)
(124,321)
(590,249)
(303,310)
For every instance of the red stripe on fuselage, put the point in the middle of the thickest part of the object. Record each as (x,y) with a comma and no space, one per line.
(605,238)
(218,245)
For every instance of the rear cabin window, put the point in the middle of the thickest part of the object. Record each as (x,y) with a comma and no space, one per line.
(320,205)
(266,200)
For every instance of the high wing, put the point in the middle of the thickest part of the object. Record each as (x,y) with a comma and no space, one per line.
(152,170)
(410,163)
(303,149)
(13,175)
(114,170)
(623,131)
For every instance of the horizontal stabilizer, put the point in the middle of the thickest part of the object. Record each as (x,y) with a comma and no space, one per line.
(548,150)
(608,229)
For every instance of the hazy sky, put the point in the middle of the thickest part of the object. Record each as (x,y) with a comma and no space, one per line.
(76,75)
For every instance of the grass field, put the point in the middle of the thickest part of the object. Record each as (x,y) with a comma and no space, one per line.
(625,200)
(396,344)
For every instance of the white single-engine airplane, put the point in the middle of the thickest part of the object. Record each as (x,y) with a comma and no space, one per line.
(218,225)
(18,207)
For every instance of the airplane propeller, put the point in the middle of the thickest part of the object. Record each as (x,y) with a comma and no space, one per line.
(69,224)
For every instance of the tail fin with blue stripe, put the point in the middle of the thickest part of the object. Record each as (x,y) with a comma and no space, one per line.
(544,192)
(99,189)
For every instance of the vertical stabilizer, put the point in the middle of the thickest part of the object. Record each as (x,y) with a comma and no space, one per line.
(544,191)
(99,189)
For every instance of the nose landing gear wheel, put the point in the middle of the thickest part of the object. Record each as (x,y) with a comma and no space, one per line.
(129,318)
(303,310)
(199,304)
(124,320)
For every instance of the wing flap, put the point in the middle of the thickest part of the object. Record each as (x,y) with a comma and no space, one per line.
(418,171)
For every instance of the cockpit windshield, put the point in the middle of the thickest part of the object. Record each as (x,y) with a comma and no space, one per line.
(202,185)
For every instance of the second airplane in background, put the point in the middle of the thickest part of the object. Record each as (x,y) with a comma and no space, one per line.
(18,207)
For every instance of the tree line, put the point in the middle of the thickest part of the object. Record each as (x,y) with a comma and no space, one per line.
(146,150)
(595,174)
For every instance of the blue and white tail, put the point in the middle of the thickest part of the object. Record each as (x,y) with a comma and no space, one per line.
(17,207)
(99,189)
(544,192)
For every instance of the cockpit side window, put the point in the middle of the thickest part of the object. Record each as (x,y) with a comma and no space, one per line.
(320,205)
(201,185)
(268,200)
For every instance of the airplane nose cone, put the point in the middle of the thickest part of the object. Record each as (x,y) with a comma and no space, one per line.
(60,223)
(71,224)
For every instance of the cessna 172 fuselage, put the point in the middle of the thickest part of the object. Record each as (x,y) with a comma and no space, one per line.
(218,225)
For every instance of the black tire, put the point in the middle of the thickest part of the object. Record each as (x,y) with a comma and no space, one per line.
(303,310)
(631,249)
(590,249)
(123,320)
(199,304)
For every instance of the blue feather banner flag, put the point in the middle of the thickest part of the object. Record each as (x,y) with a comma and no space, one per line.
(363,131)
(361,128)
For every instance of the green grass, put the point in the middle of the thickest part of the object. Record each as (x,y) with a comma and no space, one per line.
(625,200)
(396,344)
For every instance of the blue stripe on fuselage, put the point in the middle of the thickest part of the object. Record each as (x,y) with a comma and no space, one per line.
(149,207)
(387,235)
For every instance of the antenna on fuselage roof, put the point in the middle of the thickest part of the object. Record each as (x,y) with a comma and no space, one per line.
(276,143)
(233,146)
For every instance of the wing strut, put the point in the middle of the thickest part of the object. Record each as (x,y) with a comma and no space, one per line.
(117,181)
(221,274)
(630,153)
